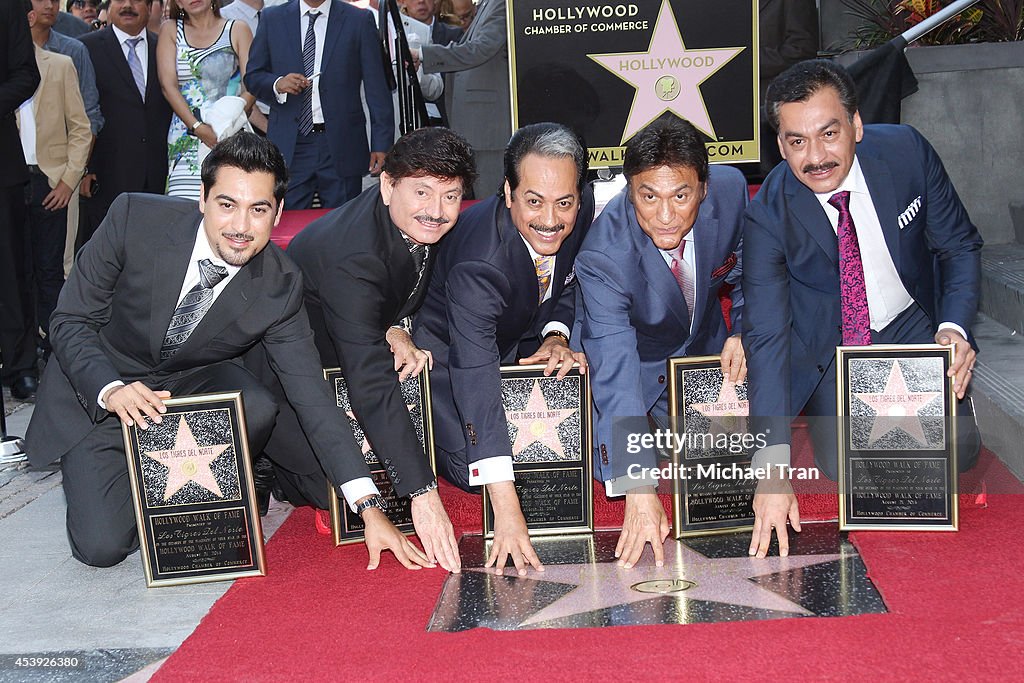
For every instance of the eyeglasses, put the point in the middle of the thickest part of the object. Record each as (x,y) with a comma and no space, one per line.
(97,25)
(85,3)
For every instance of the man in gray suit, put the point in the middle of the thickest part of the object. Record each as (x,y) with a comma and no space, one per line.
(479,105)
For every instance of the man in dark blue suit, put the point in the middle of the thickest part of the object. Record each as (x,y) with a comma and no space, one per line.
(502,289)
(649,275)
(308,60)
(909,272)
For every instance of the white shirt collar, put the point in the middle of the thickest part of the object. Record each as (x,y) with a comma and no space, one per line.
(122,36)
(854,183)
(323,9)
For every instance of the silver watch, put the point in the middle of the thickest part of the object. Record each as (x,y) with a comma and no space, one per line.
(426,489)
(374,501)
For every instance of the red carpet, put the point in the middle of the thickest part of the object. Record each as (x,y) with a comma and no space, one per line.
(954,599)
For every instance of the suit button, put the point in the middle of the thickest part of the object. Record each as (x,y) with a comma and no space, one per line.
(604,455)
(661,379)
(821,369)
(143,139)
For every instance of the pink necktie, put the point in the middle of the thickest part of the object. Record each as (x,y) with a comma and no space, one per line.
(852,291)
(684,276)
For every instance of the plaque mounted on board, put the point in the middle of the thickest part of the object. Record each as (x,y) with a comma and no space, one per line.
(897,438)
(607,69)
(711,450)
(550,432)
(192,488)
(346,525)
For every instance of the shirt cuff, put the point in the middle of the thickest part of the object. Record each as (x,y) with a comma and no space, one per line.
(554,326)
(104,390)
(491,470)
(770,457)
(282,97)
(954,327)
(620,486)
(358,488)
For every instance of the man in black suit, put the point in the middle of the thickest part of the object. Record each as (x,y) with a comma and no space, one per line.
(19,78)
(165,300)
(502,290)
(365,267)
(130,154)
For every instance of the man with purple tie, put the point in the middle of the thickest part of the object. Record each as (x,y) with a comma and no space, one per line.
(858,238)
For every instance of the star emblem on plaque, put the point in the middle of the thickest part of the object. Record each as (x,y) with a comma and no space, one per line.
(609,69)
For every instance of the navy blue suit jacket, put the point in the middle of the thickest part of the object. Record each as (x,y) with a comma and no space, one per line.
(633,316)
(351,57)
(791,278)
(480,305)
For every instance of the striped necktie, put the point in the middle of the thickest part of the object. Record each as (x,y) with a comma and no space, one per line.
(135,64)
(684,276)
(192,307)
(853,293)
(308,64)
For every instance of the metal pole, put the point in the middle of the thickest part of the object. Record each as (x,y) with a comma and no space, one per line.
(912,34)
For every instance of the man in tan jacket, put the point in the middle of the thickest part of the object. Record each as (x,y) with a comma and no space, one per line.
(55,138)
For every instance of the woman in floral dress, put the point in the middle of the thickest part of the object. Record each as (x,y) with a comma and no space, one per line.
(201,58)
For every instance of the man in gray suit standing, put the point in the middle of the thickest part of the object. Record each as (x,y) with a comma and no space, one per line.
(479,106)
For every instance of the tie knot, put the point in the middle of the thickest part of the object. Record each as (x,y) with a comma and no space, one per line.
(677,253)
(543,264)
(133,42)
(210,273)
(840,200)
(313,16)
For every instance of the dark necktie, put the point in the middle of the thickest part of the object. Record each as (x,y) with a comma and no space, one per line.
(135,64)
(308,63)
(684,276)
(192,307)
(853,292)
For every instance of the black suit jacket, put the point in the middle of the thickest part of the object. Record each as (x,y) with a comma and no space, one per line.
(130,154)
(113,313)
(481,304)
(359,276)
(19,78)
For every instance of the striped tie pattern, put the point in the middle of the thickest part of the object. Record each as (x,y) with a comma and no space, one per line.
(543,267)
(192,307)
(308,62)
(853,292)
(684,276)
(135,64)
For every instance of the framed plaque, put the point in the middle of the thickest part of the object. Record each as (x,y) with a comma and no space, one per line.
(550,432)
(712,486)
(195,505)
(609,69)
(897,438)
(346,525)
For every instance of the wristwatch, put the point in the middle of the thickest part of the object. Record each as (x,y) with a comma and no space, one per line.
(557,333)
(374,501)
(426,489)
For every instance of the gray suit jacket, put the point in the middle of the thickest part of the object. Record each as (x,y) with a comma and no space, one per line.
(479,104)
(113,313)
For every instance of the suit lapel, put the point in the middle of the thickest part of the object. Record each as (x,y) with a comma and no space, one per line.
(168,276)
(120,64)
(880,185)
(807,211)
(292,27)
(654,269)
(705,241)
(152,77)
(335,20)
(43,63)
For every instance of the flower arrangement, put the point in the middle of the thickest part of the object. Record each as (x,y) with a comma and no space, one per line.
(986,21)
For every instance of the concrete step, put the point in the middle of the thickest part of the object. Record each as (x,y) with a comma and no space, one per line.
(998,391)
(1002,284)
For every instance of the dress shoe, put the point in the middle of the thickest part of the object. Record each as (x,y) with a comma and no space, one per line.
(24,388)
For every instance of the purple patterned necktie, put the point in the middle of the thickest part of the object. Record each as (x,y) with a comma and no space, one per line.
(852,290)
(684,276)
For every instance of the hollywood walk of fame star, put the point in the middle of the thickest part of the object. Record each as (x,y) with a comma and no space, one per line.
(537,423)
(188,461)
(725,580)
(723,412)
(668,76)
(895,405)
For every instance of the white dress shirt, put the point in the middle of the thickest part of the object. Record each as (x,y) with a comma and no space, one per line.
(320,33)
(27,130)
(141,49)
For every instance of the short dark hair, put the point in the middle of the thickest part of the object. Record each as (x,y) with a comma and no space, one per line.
(552,140)
(433,151)
(178,12)
(802,80)
(250,153)
(666,141)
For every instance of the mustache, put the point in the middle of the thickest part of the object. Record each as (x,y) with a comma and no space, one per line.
(540,227)
(127,13)
(818,168)
(427,218)
(240,236)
